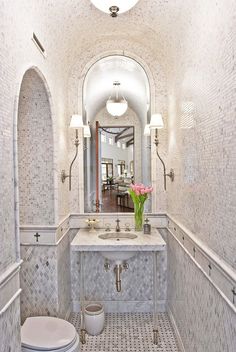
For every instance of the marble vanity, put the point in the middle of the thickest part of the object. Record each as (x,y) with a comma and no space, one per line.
(117,248)
(86,241)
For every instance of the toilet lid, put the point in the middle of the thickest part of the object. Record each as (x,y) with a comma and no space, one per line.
(47,333)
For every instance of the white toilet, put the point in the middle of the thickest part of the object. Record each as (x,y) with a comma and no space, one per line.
(48,334)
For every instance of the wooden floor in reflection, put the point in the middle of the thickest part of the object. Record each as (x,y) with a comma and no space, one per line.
(109,203)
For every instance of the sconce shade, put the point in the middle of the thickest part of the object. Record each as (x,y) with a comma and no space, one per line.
(87,132)
(156,121)
(147,131)
(76,121)
(123,5)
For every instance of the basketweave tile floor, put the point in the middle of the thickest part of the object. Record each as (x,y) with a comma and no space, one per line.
(130,332)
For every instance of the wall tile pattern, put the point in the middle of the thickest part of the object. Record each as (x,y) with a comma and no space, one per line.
(63,275)
(45,278)
(10,328)
(35,153)
(38,281)
(202,127)
(205,322)
(137,281)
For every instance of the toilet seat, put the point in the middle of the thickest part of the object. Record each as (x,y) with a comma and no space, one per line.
(48,334)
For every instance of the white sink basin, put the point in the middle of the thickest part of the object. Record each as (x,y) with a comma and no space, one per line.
(118,236)
(118,256)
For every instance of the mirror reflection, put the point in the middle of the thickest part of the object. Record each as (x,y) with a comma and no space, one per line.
(116,161)
(116,105)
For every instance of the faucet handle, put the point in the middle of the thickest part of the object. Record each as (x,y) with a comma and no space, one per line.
(108,227)
(127,227)
(117,225)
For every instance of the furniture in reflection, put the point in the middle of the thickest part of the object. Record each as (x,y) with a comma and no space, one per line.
(124,200)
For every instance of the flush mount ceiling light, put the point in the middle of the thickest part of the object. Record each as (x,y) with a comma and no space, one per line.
(116,105)
(114,6)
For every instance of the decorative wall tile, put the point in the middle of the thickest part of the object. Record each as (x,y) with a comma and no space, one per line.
(136,282)
(10,328)
(205,322)
(39,281)
(45,279)
(202,127)
(35,153)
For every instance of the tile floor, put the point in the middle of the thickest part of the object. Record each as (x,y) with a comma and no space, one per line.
(130,332)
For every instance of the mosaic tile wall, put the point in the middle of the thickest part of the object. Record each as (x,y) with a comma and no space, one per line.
(205,322)
(38,279)
(64,274)
(35,153)
(45,279)
(137,282)
(202,127)
(10,328)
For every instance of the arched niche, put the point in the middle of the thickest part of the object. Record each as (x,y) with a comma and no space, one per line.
(35,152)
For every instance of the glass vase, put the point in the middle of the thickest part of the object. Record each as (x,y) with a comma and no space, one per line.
(138,216)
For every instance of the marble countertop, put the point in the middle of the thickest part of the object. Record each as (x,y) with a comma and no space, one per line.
(86,241)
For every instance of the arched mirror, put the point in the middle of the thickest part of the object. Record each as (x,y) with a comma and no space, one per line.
(116,99)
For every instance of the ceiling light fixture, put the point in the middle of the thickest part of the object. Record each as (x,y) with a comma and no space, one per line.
(116,104)
(114,6)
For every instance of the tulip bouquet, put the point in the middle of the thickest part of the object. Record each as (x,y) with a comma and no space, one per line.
(139,194)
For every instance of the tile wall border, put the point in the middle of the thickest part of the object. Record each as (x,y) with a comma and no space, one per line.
(216,270)
(49,235)
(9,286)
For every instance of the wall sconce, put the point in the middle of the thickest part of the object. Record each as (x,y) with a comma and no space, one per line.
(157,123)
(87,132)
(75,122)
(147,131)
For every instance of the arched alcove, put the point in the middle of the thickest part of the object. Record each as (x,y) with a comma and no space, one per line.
(35,152)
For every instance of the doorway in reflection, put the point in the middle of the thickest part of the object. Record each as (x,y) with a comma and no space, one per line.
(116,159)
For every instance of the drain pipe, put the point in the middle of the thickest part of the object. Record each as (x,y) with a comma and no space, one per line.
(118,271)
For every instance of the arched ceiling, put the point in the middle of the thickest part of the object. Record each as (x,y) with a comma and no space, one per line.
(68,27)
(98,85)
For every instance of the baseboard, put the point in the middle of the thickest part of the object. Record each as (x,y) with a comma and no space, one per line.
(126,306)
(177,334)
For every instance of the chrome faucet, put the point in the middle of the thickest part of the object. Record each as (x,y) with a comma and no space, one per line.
(118,225)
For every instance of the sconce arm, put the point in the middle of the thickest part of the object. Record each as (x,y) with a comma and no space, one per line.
(171,174)
(76,153)
(63,173)
(164,167)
